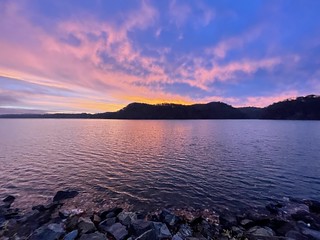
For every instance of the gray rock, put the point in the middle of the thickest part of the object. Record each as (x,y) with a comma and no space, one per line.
(126,217)
(72,223)
(118,231)
(176,237)
(140,226)
(184,231)
(162,231)
(292,234)
(148,235)
(227,220)
(293,208)
(311,233)
(169,218)
(237,231)
(86,226)
(71,235)
(51,232)
(110,213)
(104,225)
(261,231)
(246,222)
(93,236)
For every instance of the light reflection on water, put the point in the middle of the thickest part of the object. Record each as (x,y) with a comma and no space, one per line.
(201,163)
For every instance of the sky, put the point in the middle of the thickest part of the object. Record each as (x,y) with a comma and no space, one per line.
(99,55)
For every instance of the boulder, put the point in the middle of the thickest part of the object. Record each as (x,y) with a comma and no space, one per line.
(177,237)
(140,226)
(161,230)
(72,223)
(110,213)
(261,231)
(8,200)
(53,231)
(167,217)
(96,219)
(125,218)
(314,206)
(227,220)
(293,234)
(71,235)
(118,231)
(312,234)
(86,226)
(93,236)
(104,225)
(62,195)
(148,235)
(184,231)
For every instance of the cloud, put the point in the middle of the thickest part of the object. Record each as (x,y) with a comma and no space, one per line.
(86,63)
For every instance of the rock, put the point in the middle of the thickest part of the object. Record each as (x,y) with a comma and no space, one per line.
(184,231)
(308,218)
(261,231)
(71,235)
(51,232)
(227,220)
(292,208)
(86,226)
(110,213)
(93,236)
(247,223)
(292,234)
(104,225)
(176,237)
(64,214)
(314,206)
(162,231)
(9,199)
(202,226)
(258,218)
(167,217)
(72,223)
(198,238)
(40,208)
(237,232)
(118,231)
(281,227)
(148,235)
(274,207)
(10,213)
(125,218)
(62,195)
(139,226)
(96,219)
(311,233)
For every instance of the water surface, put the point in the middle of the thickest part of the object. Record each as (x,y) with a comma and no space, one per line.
(200,163)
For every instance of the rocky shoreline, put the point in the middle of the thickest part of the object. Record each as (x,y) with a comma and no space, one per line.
(286,219)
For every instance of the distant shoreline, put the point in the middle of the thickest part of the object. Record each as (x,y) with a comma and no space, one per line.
(301,108)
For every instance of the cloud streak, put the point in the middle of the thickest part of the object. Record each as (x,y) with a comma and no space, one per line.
(85,63)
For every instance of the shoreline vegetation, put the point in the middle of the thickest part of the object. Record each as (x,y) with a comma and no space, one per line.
(285,219)
(301,108)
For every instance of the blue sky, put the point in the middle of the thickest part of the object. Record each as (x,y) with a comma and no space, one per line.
(95,56)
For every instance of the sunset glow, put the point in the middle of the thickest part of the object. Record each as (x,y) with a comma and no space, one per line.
(97,56)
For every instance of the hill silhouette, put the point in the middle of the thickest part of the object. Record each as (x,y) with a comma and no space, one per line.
(301,108)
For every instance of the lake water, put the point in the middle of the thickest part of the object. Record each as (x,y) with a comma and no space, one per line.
(199,163)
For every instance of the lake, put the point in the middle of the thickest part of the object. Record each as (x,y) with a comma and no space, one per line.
(199,163)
